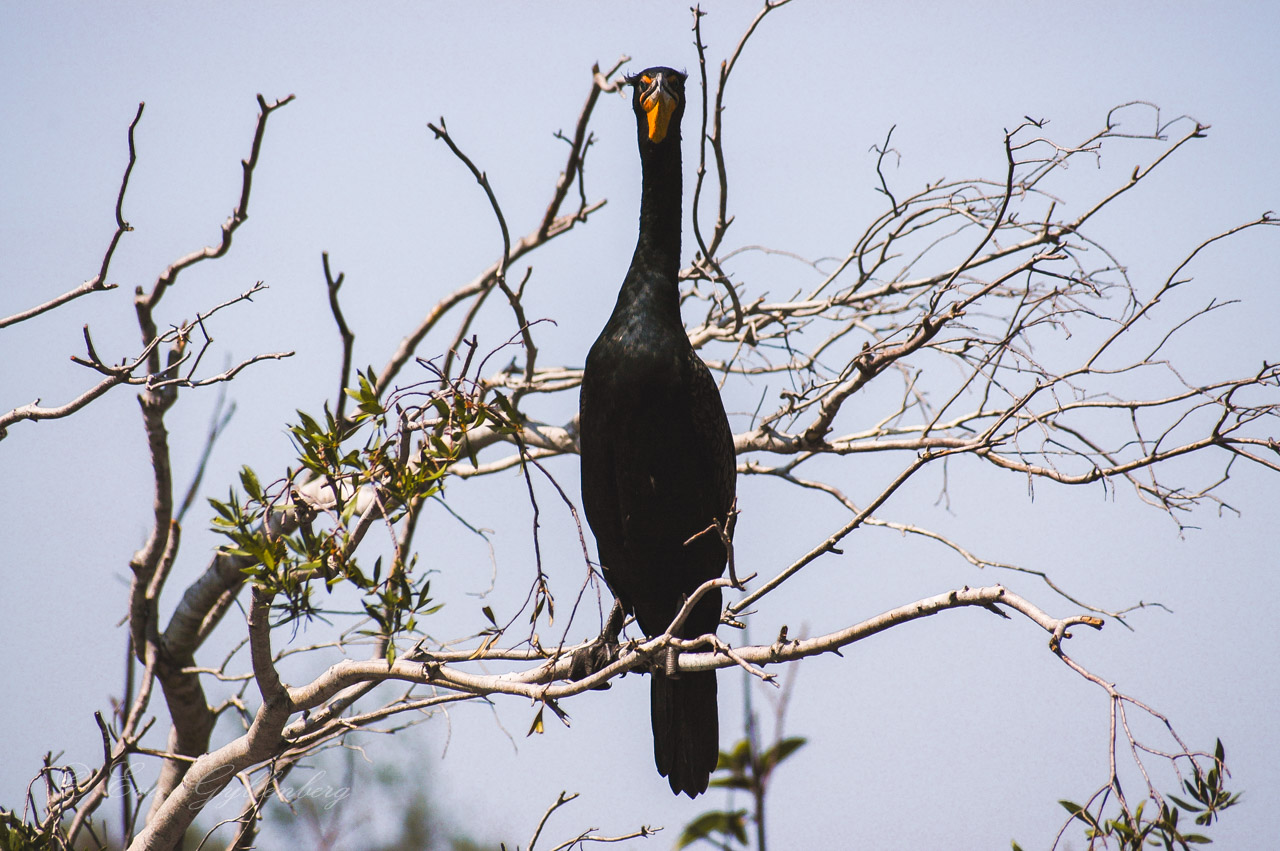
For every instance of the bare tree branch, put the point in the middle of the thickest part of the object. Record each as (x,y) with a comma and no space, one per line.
(98,282)
(998,329)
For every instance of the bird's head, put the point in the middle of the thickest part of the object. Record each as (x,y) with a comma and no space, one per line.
(658,101)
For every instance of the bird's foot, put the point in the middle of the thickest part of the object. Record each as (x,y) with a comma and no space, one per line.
(671,663)
(601,653)
(596,656)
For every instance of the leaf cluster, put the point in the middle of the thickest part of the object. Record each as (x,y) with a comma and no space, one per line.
(16,835)
(381,463)
(1134,829)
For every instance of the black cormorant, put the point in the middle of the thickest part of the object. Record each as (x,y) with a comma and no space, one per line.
(658,463)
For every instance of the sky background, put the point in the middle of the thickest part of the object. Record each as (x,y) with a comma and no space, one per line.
(958,732)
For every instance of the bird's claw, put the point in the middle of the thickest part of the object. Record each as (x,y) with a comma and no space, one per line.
(601,653)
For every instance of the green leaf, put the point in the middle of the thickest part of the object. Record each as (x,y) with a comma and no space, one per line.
(16,834)
(309,425)
(471,451)
(513,415)
(376,616)
(222,509)
(727,824)
(249,480)
(781,751)
(737,759)
(356,575)
(1081,813)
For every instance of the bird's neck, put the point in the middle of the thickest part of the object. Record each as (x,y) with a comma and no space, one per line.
(660,210)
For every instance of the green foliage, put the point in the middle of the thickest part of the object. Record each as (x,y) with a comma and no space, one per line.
(375,464)
(1207,791)
(728,825)
(744,767)
(17,836)
(1138,829)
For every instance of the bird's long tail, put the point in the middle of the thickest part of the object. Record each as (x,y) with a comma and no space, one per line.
(686,729)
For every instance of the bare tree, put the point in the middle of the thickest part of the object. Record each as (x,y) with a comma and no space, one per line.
(1001,330)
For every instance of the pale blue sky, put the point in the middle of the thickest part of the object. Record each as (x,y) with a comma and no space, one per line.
(961,732)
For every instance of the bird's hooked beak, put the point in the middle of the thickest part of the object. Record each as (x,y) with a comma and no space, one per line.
(659,104)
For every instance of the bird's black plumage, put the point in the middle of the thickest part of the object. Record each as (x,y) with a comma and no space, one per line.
(657,454)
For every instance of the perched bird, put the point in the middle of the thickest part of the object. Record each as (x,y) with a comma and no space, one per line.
(658,464)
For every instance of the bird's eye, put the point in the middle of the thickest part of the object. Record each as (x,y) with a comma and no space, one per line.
(647,80)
